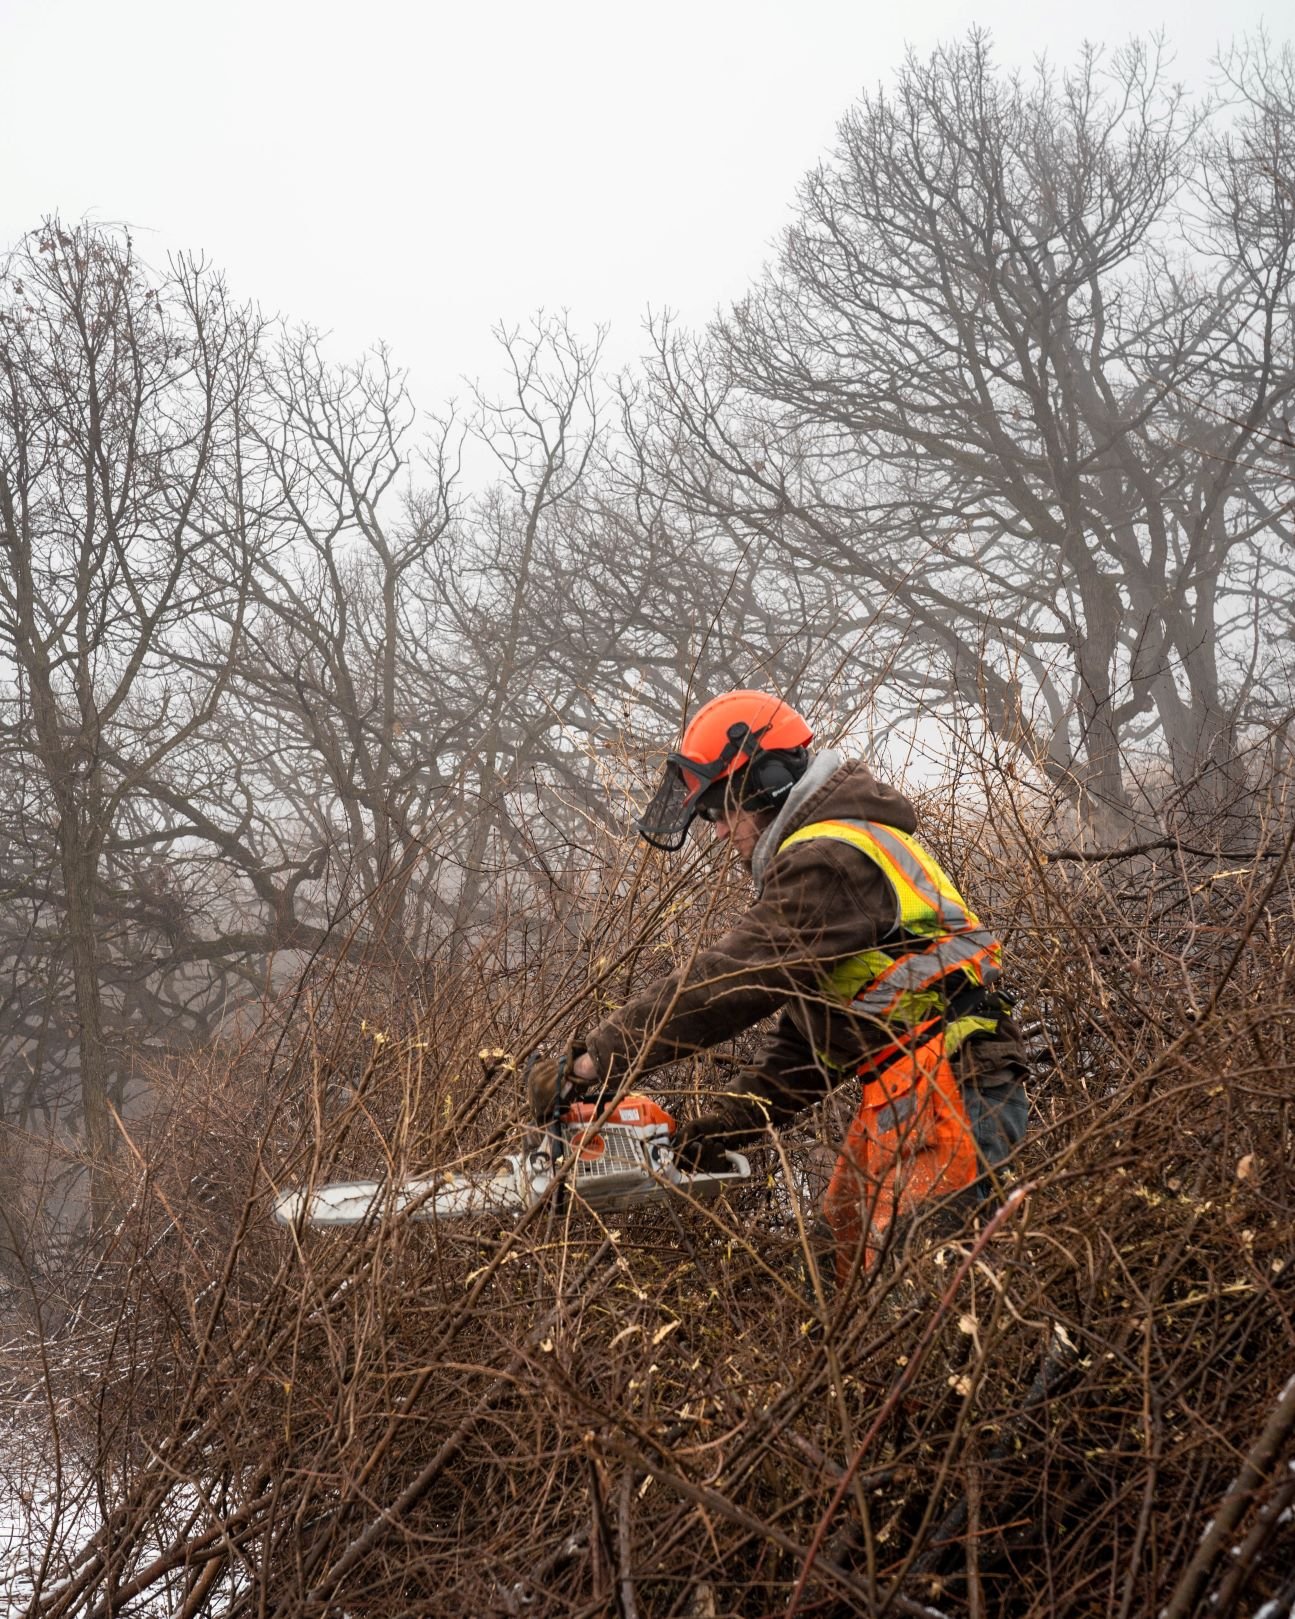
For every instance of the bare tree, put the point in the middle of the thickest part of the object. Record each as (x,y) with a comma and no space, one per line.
(128,536)
(582,612)
(1012,380)
(274,689)
(340,679)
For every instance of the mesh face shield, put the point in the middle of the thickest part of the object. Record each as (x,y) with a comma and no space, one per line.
(665,822)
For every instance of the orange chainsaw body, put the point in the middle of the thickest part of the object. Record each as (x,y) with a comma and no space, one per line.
(634,1117)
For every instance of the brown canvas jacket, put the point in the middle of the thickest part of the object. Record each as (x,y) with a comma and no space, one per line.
(816,905)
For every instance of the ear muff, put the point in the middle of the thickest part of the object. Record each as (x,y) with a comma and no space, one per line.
(771,776)
(767,781)
(775,777)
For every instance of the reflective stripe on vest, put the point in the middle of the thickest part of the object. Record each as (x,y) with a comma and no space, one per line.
(901,985)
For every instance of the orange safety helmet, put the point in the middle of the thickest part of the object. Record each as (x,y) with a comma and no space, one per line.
(744,749)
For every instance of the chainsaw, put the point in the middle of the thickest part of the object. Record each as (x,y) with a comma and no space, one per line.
(606,1158)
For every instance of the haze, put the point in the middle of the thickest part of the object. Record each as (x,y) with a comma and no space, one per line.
(415,174)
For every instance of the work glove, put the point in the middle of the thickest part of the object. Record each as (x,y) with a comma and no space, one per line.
(551,1084)
(699,1144)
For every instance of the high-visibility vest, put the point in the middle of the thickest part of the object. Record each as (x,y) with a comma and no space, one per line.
(936,935)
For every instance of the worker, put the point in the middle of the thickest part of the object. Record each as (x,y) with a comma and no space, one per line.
(864,948)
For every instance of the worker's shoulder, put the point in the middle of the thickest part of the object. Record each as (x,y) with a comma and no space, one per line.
(852,793)
(823,857)
(822,883)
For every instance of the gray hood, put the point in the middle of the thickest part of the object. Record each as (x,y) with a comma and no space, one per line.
(822,767)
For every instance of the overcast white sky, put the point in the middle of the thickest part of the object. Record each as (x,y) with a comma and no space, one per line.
(415,172)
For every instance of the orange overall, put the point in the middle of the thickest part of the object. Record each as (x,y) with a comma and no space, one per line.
(911,1141)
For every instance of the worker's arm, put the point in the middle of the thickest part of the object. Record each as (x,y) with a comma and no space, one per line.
(823,901)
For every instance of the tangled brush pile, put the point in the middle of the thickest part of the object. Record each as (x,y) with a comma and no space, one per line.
(1086,1407)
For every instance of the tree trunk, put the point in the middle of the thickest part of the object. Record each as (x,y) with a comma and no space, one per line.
(80,880)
